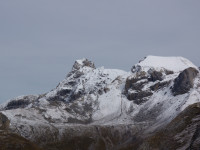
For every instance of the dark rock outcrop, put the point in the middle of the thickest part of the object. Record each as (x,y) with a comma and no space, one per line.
(155,75)
(184,82)
(132,81)
(140,96)
(84,63)
(168,72)
(4,122)
(137,83)
(64,92)
(159,85)
(78,65)
(22,103)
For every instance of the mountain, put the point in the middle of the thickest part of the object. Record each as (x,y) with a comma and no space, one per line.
(98,108)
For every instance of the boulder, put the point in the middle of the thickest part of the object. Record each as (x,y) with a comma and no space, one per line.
(184,82)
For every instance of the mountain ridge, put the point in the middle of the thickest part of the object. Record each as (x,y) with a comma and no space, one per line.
(144,100)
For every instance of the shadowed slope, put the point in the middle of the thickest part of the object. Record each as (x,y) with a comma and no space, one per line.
(10,141)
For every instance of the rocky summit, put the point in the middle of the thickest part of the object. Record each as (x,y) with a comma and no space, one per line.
(153,106)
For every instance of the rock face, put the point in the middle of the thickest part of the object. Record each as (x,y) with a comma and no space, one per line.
(134,87)
(135,84)
(73,76)
(68,89)
(155,75)
(159,85)
(82,63)
(4,122)
(184,82)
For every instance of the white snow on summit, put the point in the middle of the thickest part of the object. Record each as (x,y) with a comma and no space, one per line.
(175,64)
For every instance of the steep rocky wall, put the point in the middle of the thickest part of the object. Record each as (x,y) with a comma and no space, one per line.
(184,82)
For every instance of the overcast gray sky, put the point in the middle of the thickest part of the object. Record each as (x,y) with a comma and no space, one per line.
(41,39)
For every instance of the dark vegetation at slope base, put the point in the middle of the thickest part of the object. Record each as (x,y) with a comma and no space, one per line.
(12,141)
(182,132)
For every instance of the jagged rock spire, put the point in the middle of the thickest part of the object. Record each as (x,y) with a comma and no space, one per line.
(82,63)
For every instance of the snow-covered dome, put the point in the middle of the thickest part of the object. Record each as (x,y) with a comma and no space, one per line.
(175,64)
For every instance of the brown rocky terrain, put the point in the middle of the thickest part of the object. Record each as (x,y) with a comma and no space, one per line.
(12,141)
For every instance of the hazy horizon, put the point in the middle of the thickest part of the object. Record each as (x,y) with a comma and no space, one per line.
(41,39)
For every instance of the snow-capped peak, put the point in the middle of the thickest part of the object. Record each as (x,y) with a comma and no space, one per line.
(175,64)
